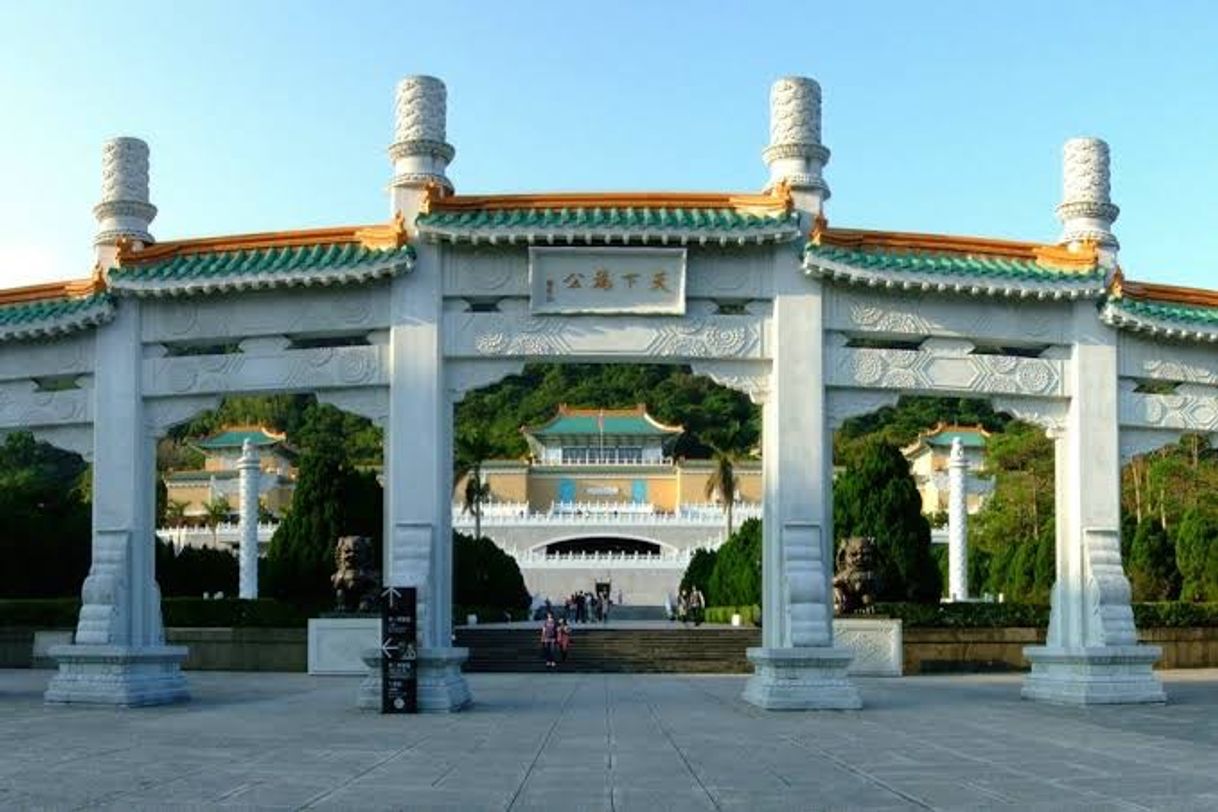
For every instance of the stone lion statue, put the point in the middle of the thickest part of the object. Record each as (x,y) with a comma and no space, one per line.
(356,580)
(857,580)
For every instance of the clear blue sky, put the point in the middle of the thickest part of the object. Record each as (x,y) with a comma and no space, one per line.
(941,116)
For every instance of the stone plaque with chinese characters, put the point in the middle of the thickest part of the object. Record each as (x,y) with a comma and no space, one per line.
(607,280)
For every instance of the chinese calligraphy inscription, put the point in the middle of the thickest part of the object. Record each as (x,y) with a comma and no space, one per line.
(600,280)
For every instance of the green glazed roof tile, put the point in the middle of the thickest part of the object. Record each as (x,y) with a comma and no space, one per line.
(236,438)
(28,319)
(1167,311)
(658,219)
(326,264)
(981,267)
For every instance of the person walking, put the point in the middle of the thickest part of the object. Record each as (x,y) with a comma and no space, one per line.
(564,639)
(683,607)
(549,640)
(697,605)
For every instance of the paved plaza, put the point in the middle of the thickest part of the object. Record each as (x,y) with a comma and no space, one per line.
(612,742)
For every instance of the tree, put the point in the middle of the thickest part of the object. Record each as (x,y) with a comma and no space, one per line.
(216,511)
(876,496)
(486,576)
(699,571)
(472,448)
(725,442)
(175,512)
(1152,563)
(1197,556)
(735,579)
(324,507)
(45,535)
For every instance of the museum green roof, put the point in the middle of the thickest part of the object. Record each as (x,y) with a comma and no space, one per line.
(681,217)
(570,422)
(334,256)
(236,437)
(942,262)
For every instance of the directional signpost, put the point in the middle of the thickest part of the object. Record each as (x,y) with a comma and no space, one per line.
(399,667)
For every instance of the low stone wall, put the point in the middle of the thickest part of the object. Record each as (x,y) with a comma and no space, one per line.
(225,649)
(926,651)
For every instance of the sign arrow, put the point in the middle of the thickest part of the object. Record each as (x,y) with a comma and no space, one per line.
(392,594)
(388,647)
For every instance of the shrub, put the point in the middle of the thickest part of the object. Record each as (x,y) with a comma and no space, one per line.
(723,614)
(735,579)
(877,497)
(486,576)
(1152,564)
(698,573)
(1197,556)
(191,571)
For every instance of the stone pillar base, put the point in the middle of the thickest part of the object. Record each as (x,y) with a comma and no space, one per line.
(811,678)
(1101,675)
(442,686)
(118,675)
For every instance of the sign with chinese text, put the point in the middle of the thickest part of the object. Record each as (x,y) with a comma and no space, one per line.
(399,660)
(607,280)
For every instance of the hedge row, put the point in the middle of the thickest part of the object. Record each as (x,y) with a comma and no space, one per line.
(1175,614)
(749,615)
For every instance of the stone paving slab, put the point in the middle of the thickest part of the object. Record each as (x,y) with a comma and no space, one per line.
(615,742)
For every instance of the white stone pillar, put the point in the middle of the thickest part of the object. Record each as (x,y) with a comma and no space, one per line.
(1086,211)
(250,472)
(795,155)
(119,656)
(418,437)
(1091,655)
(957,523)
(797,666)
(124,211)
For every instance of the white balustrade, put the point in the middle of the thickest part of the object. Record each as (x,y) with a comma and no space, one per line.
(608,513)
(226,534)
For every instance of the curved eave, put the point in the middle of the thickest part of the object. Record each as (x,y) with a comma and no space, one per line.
(507,235)
(313,277)
(1070,285)
(1115,314)
(54,326)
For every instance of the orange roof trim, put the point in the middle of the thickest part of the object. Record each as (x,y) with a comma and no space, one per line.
(70,289)
(1172,294)
(777,201)
(384,236)
(1057,256)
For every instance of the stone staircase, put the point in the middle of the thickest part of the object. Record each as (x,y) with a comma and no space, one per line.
(690,650)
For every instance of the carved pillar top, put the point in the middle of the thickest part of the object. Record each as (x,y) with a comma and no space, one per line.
(795,154)
(956,456)
(420,152)
(1086,211)
(124,209)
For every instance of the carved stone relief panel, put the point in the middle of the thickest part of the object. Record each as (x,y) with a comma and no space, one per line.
(917,370)
(23,406)
(1044,412)
(287,371)
(22,360)
(1162,360)
(306,311)
(731,273)
(991,320)
(1135,441)
(1190,410)
(162,414)
(750,377)
(489,335)
(843,404)
(464,376)
(486,270)
(371,402)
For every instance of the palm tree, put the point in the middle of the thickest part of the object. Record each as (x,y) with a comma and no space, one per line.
(472,449)
(727,442)
(214,512)
(175,512)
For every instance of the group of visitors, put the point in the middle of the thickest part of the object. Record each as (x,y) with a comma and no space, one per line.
(584,607)
(555,640)
(691,606)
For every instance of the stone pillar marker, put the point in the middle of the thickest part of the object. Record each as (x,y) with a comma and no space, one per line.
(119,656)
(250,470)
(796,155)
(797,666)
(1086,211)
(418,437)
(124,212)
(957,523)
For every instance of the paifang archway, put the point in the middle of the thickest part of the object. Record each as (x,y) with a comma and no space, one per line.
(755,290)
